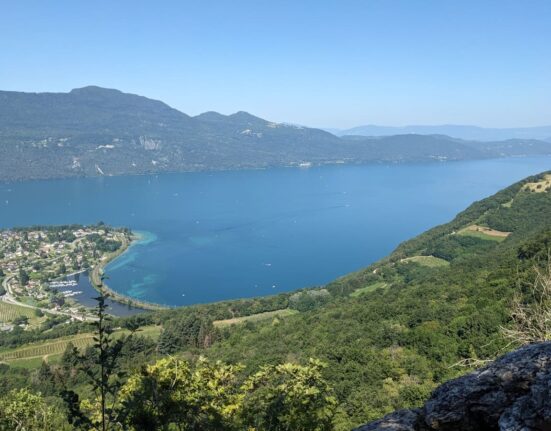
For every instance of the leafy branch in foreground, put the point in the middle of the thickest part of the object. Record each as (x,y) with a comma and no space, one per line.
(22,410)
(175,394)
(289,397)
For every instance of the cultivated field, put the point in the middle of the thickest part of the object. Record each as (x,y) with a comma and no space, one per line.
(429,261)
(369,288)
(255,317)
(51,349)
(484,233)
(8,312)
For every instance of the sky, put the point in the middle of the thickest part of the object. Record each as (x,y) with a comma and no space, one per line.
(318,63)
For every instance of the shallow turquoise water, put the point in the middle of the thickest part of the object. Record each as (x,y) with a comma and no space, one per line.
(214,236)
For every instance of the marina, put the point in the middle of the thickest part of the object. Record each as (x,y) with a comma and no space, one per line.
(62,284)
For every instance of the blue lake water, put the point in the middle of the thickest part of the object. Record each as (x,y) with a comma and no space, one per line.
(85,293)
(221,235)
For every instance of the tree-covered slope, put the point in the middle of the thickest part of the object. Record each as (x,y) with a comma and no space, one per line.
(96,131)
(388,335)
(392,332)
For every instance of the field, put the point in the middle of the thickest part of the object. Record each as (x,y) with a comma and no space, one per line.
(428,261)
(483,232)
(540,186)
(370,288)
(255,317)
(8,312)
(51,350)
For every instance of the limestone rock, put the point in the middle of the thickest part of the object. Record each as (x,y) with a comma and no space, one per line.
(511,394)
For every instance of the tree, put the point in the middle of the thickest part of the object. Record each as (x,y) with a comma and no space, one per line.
(20,320)
(21,410)
(173,393)
(288,397)
(188,330)
(23,277)
(103,372)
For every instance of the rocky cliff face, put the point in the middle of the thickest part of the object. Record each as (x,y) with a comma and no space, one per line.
(511,394)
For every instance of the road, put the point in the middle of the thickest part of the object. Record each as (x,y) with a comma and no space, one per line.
(10,299)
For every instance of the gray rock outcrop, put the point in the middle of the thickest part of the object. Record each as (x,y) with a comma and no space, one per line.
(511,394)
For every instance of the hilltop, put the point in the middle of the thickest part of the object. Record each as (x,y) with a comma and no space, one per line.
(94,131)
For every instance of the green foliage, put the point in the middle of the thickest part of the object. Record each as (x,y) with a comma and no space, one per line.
(384,348)
(103,371)
(537,248)
(23,277)
(171,392)
(22,410)
(309,299)
(208,396)
(21,320)
(103,244)
(527,212)
(188,331)
(289,397)
(387,348)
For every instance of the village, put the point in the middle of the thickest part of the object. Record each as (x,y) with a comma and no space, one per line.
(35,263)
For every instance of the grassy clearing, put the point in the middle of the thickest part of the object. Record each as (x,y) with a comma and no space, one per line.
(8,312)
(369,288)
(152,331)
(428,261)
(540,186)
(51,350)
(255,317)
(483,232)
(34,363)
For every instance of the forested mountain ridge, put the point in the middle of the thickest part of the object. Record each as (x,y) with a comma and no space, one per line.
(386,336)
(474,133)
(96,131)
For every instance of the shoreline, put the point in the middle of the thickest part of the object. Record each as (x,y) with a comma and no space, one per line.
(97,272)
(315,164)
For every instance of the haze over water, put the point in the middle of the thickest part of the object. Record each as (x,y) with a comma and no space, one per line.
(220,235)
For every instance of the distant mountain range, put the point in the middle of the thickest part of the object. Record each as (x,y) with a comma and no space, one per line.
(472,133)
(96,131)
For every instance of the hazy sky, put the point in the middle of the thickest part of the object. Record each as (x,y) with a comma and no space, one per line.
(319,63)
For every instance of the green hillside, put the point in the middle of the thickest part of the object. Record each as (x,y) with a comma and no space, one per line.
(388,334)
(388,346)
(95,131)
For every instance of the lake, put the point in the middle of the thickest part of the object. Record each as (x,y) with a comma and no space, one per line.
(211,236)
